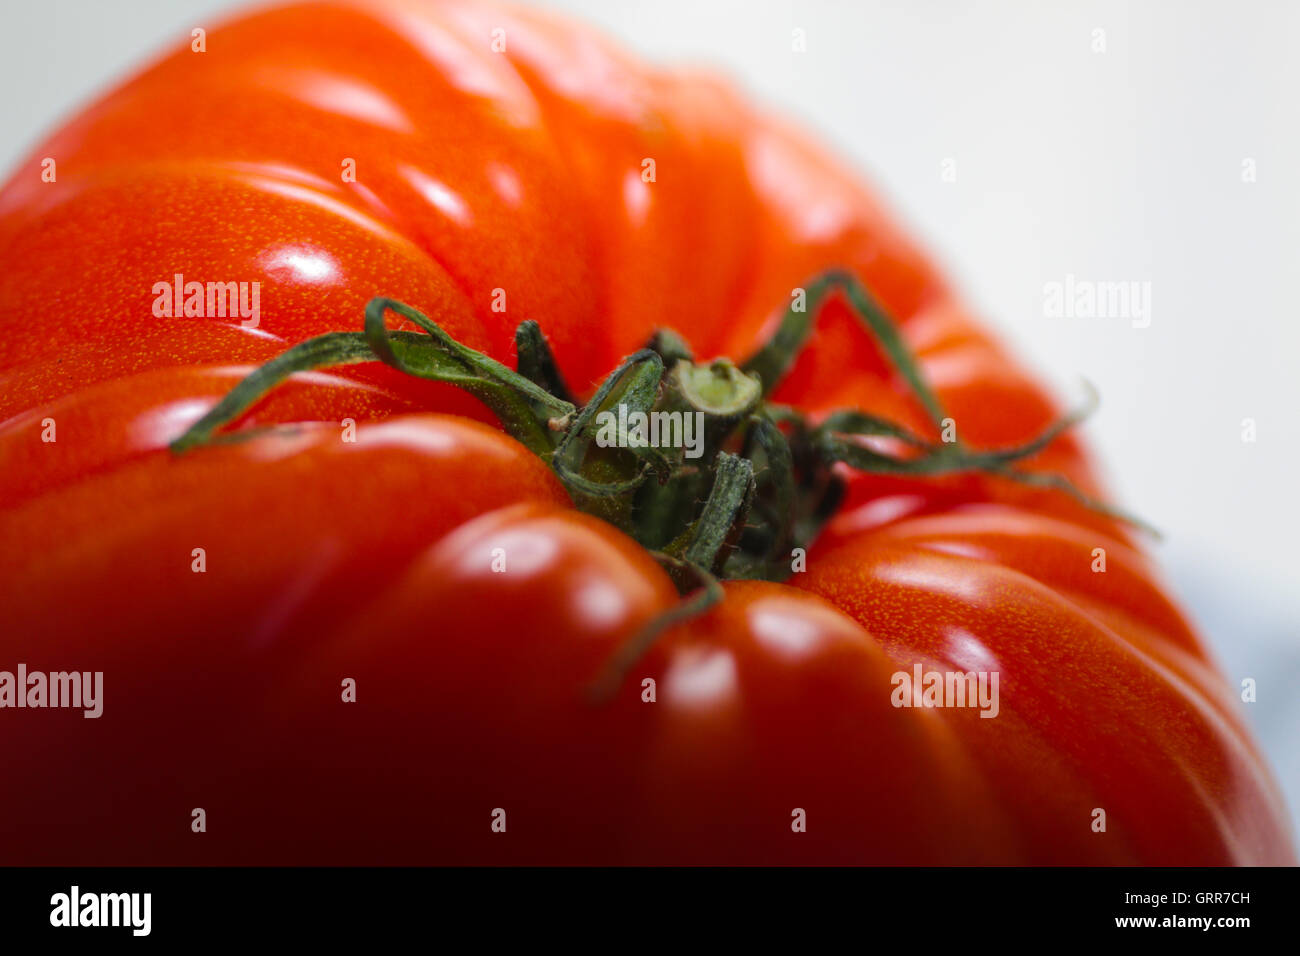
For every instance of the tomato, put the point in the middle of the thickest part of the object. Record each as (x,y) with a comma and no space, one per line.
(371,636)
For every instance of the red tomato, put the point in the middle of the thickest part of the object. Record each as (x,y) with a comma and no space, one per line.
(230,594)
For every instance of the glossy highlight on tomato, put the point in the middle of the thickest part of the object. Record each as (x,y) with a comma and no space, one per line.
(229,594)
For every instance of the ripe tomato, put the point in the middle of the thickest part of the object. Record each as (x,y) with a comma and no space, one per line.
(511,166)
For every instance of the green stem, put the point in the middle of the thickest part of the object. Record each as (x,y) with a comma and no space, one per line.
(774,486)
(776,494)
(724,514)
(331,349)
(509,395)
(523,408)
(536,361)
(634,383)
(774,359)
(708,594)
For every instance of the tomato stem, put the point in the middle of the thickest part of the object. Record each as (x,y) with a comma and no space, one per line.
(764,474)
(702,591)
(512,397)
(329,350)
(536,362)
(689,511)
(774,359)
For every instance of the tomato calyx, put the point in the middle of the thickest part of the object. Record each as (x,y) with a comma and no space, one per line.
(691,459)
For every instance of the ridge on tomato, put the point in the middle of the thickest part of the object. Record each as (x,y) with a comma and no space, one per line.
(359,625)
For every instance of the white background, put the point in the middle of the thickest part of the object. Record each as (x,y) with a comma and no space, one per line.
(1117,165)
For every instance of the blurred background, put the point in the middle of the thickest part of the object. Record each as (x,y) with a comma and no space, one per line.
(1024,143)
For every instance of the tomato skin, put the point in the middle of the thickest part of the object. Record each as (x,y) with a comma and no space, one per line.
(109,424)
(750,700)
(1105,691)
(329,559)
(189,658)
